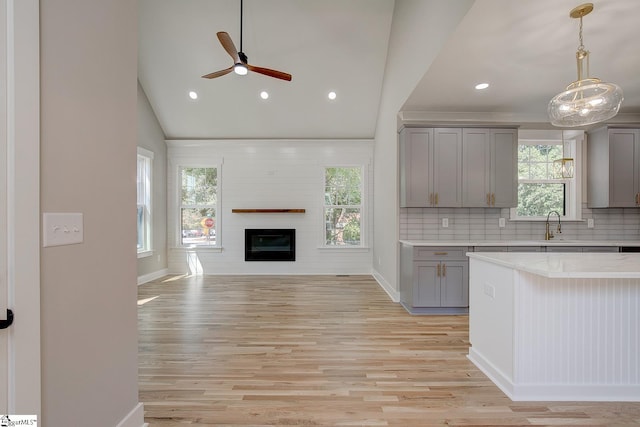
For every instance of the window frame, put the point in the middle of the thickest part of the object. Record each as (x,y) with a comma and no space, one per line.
(177,223)
(573,147)
(146,203)
(362,206)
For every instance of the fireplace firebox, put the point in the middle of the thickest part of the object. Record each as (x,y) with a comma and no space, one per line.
(266,244)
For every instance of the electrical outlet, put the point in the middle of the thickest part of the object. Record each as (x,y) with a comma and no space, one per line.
(589,222)
(501,222)
(445,222)
(489,290)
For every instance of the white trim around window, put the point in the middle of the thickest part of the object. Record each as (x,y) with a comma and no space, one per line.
(358,210)
(211,241)
(144,203)
(573,147)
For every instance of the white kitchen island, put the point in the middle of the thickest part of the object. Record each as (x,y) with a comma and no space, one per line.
(557,326)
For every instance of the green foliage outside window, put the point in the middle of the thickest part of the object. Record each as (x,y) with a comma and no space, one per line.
(539,191)
(198,200)
(343,206)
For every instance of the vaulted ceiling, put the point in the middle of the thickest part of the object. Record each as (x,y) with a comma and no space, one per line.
(524,49)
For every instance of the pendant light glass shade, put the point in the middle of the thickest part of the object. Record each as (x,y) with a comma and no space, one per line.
(585,102)
(588,100)
(563,168)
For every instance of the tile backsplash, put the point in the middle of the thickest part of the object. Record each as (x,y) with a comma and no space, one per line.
(483,224)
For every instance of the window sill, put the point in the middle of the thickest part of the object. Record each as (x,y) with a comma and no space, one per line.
(197,248)
(345,248)
(551,219)
(145,254)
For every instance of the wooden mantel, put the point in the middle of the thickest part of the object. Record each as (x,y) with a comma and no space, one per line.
(268,210)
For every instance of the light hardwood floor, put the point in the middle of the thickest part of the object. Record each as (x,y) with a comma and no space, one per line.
(319,351)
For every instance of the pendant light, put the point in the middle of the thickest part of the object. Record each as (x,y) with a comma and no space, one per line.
(563,167)
(588,100)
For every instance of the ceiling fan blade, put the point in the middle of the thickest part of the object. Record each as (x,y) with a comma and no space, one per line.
(218,73)
(270,73)
(227,44)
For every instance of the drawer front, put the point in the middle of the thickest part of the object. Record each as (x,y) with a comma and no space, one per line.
(440,253)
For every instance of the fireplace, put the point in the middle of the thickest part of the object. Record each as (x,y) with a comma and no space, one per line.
(264,244)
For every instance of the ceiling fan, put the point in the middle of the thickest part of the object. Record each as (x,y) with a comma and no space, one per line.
(240,65)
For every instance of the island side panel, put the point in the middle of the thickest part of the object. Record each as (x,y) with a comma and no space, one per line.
(491,311)
(583,334)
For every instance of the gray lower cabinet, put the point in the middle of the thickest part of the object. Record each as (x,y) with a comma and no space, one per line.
(434,280)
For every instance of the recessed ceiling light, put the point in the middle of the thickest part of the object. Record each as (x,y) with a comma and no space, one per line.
(264,94)
(481,86)
(332,95)
(193,95)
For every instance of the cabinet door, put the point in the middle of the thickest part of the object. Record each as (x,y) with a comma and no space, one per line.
(426,284)
(415,164)
(623,167)
(504,163)
(447,163)
(476,164)
(454,284)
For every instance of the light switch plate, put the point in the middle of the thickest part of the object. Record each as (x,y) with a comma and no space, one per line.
(589,222)
(445,222)
(502,222)
(62,229)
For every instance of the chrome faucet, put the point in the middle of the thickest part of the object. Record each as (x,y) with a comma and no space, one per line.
(548,235)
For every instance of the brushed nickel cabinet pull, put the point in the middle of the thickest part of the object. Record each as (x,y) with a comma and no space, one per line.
(438,271)
(444,270)
(441,253)
(493,199)
(436,198)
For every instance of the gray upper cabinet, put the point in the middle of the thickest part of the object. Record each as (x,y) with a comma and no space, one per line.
(613,175)
(430,167)
(416,151)
(489,167)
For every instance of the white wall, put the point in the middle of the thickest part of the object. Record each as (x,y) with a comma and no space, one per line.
(268,174)
(151,137)
(88,164)
(419,30)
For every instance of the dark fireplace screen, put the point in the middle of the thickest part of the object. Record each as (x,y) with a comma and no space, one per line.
(262,244)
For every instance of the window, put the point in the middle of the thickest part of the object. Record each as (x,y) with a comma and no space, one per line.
(540,189)
(343,206)
(145,161)
(198,206)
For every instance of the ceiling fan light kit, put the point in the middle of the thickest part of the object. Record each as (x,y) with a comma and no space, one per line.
(587,100)
(240,63)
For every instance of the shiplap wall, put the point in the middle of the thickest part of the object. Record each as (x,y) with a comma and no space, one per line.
(266,174)
(482,224)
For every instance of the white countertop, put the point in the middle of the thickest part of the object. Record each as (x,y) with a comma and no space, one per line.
(567,265)
(553,242)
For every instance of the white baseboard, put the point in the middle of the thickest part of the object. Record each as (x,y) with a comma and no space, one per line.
(393,293)
(145,278)
(555,392)
(135,418)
